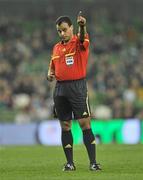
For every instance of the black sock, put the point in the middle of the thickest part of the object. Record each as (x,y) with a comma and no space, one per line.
(89,141)
(67,143)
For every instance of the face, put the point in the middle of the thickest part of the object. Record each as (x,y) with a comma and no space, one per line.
(65,31)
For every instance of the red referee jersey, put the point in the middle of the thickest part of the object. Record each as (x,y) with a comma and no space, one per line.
(69,61)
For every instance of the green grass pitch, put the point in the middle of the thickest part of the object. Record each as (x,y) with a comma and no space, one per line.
(119,162)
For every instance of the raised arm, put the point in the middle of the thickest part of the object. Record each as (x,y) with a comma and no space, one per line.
(82,26)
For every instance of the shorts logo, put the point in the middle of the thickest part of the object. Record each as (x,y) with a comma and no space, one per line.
(69,60)
(84,114)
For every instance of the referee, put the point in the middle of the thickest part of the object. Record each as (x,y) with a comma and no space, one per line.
(68,66)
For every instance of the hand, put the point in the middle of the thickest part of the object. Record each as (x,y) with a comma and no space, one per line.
(50,77)
(80,19)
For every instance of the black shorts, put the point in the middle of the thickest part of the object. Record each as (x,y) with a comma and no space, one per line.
(71,100)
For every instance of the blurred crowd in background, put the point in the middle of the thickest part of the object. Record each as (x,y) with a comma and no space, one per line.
(115,70)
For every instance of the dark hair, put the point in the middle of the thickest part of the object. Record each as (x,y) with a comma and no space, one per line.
(62,19)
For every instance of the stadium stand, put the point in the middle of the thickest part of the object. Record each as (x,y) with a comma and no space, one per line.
(114,72)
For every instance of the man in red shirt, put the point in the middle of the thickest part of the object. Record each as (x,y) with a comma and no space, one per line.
(68,66)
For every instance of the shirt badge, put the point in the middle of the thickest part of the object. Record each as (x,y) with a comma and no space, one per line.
(69,60)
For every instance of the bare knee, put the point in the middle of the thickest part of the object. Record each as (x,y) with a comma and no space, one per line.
(84,123)
(65,125)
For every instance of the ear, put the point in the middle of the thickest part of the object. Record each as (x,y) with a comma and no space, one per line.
(71,27)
